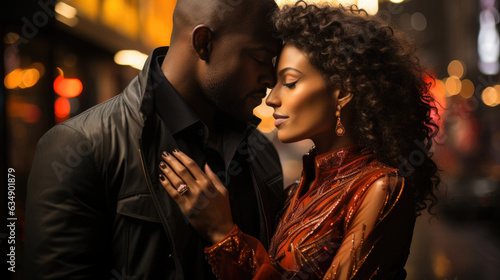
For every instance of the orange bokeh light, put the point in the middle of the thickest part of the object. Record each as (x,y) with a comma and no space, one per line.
(62,107)
(68,87)
(13,79)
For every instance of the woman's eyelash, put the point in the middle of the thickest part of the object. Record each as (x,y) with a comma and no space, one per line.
(289,85)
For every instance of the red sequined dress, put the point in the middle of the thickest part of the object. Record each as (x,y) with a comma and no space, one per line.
(354,221)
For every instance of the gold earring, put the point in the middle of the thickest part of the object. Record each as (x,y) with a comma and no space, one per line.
(339,129)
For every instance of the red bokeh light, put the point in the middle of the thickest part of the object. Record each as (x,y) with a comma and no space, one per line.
(68,87)
(62,107)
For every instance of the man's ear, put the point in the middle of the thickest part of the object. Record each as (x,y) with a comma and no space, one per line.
(202,41)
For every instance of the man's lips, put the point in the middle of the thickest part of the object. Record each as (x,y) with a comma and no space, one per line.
(259,93)
(278,119)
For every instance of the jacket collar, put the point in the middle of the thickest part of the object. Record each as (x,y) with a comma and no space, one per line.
(168,101)
(146,81)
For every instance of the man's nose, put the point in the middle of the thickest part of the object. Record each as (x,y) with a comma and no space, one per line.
(268,78)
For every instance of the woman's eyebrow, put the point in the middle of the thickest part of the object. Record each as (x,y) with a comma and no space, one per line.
(286,69)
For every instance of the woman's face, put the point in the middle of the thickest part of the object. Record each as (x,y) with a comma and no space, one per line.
(304,105)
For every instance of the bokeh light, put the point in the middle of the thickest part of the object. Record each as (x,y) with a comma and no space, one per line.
(13,79)
(62,107)
(456,68)
(418,21)
(24,78)
(441,264)
(467,89)
(67,87)
(11,38)
(438,90)
(371,6)
(131,58)
(490,96)
(265,113)
(453,85)
(30,77)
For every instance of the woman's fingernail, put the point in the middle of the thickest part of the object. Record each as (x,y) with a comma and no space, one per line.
(165,154)
(162,165)
(162,178)
(176,150)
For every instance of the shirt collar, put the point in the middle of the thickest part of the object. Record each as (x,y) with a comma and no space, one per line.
(178,115)
(169,103)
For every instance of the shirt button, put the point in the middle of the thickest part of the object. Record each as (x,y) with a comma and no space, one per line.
(200,132)
(169,256)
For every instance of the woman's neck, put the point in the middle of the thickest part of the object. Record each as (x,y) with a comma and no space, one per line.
(331,142)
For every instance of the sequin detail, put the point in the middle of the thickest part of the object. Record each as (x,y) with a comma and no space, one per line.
(320,235)
(319,217)
(236,250)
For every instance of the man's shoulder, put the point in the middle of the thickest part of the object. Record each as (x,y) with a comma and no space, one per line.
(95,122)
(97,113)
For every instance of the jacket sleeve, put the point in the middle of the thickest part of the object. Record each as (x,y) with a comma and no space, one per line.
(66,230)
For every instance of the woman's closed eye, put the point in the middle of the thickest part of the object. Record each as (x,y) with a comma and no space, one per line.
(290,85)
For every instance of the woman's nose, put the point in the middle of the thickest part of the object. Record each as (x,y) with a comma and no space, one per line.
(273,99)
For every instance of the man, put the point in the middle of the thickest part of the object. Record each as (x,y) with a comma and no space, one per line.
(95,208)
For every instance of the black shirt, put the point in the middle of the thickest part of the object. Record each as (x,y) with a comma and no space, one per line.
(192,135)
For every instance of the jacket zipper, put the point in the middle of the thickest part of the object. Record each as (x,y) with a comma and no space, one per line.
(148,180)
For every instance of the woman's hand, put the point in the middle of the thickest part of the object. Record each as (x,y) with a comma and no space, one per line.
(205,202)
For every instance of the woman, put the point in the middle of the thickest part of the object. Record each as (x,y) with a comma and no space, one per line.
(349,84)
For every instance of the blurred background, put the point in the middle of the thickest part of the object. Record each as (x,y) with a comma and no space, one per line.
(60,58)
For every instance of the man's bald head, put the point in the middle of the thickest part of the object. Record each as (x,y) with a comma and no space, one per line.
(221,54)
(221,16)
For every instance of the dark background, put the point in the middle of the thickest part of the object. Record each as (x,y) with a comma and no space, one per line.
(463,242)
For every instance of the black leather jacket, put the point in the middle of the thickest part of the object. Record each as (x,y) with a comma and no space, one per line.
(95,208)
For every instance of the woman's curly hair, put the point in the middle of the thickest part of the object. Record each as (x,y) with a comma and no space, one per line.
(391,105)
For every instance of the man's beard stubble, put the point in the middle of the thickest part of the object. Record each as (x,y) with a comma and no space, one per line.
(220,98)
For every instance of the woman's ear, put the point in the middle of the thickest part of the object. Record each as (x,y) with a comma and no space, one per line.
(340,98)
(202,41)
(344,98)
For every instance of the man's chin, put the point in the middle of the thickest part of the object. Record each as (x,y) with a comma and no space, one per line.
(244,116)
(241,114)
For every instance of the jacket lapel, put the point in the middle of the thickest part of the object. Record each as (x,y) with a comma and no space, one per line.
(184,240)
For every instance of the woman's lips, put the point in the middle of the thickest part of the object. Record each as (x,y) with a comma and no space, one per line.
(279,119)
